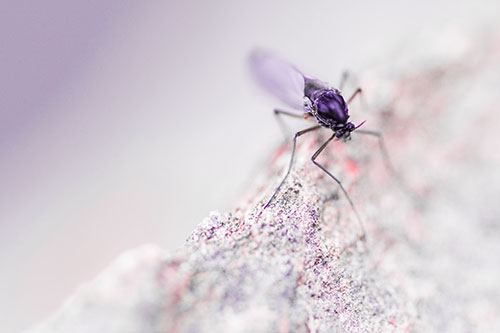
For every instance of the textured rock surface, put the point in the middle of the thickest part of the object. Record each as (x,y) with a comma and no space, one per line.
(430,260)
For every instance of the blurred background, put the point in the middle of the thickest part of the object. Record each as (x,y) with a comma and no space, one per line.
(126,122)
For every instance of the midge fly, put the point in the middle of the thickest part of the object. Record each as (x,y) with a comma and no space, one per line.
(314,98)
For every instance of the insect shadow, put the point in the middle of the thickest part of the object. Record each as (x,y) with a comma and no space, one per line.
(312,99)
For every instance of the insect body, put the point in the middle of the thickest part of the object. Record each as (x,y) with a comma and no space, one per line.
(330,110)
(313,98)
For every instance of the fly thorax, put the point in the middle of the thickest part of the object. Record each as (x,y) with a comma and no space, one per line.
(330,106)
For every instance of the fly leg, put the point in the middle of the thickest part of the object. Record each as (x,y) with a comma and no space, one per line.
(313,158)
(343,79)
(278,113)
(291,159)
(388,164)
(358,91)
(383,150)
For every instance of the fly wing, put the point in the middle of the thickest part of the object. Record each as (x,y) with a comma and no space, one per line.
(279,77)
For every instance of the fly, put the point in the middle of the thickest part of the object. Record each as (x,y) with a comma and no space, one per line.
(313,98)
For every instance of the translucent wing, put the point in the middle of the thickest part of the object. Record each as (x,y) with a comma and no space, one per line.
(279,77)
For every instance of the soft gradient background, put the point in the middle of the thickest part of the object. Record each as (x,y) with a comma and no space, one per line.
(125,122)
